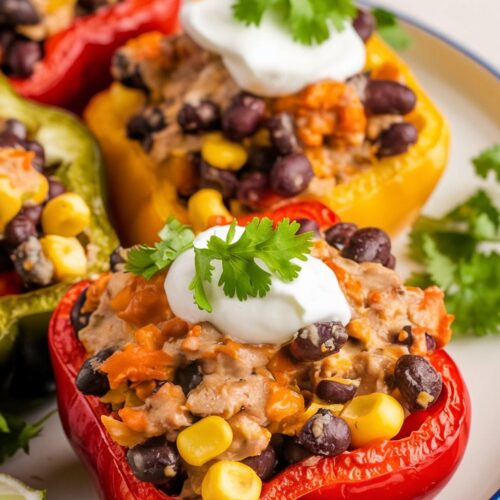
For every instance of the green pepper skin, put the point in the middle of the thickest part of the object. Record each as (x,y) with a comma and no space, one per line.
(69,144)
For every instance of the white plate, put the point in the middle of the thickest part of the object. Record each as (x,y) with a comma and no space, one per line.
(469,95)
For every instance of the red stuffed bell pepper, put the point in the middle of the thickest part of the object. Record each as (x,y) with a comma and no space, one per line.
(76,61)
(417,463)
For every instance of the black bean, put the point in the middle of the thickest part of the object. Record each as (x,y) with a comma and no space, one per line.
(5,260)
(325,434)
(387,97)
(39,159)
(252,188)
(240,122)
(90,381)
(335,392)
(294,452)
(282,133)
(117,260)
(33,212)
(419,383)
(201,117)
(404,337)
(308,225)
(249,101)
(127,72)
(31,264)
(17,128)
(397,139)
(79,319)
(365,24)
(13,12)
(143,125)
(391,262)
(56,188)
(339,234)
(155,461)
(18,230)
(92,5)
(369,244)
(9,140)
(318,341)
(22,57)
(261,159)
(291,175)
(430,342)
(263,464)
(189,377)
(224,181)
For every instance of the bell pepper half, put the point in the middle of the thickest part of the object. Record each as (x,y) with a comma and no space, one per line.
(416,464)
(69,144)
(388,195)
(76,64)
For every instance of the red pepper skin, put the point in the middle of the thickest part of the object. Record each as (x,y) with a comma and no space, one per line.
(417,464)
(77,61)
(313,210)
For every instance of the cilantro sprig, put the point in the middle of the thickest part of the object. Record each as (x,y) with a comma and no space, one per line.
(146,261)
(309,21)
(242,261)
(451,248)
(390,30)
(242,273)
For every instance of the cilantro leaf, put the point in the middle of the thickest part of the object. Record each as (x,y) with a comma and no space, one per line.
(146,261)
(488,161)
(390,30)
(15,434)
(241,273)
(309,21)
(450,250)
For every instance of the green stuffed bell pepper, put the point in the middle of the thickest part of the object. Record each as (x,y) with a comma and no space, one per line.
(53,228)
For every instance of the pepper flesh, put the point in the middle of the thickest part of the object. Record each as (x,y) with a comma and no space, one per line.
(142,191)
(68,143)
(418,462)
(76,62)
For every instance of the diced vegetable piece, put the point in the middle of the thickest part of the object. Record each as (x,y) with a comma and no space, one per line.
(226,480)
(204,440)
(373,418)
(66,215)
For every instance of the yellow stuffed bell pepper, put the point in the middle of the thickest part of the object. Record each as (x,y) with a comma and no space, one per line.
(388,194)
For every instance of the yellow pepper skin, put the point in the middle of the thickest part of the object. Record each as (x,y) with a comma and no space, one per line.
(388,195)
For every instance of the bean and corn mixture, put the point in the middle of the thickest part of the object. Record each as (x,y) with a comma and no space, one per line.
(205,416)
(243,152)
(42,226)
(26,24)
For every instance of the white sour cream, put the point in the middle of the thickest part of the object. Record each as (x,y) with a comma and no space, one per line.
(265,60)
(314,296)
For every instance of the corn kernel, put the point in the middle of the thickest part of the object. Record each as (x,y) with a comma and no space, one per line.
(66,254)
(40,191)
(373,418)
(204,440)
(223,154)
(10,203)
(226,480)
(65,215)
(205,205)
(120,433)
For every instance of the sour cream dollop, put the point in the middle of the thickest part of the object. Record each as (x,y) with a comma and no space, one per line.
(265,60)
(274,319)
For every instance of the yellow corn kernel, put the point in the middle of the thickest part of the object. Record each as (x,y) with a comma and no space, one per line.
(206,206)
(65,215)
(373,418)
(66,254)
(223,154)
(40,191)
(120,433)
(226,480)
(204,440)
(10,203)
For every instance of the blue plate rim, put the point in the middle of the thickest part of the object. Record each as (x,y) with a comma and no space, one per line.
(437,34)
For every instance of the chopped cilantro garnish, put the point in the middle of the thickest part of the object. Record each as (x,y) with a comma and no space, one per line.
(390,30)
(488,161)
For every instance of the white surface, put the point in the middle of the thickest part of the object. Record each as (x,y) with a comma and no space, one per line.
(288,306)
(469,97)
